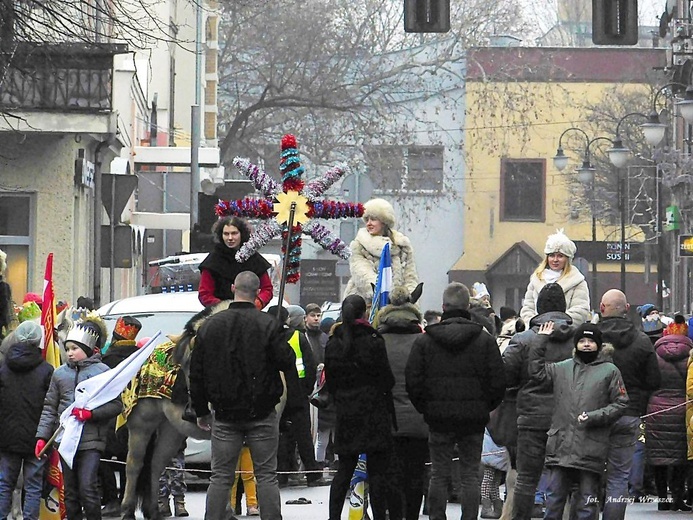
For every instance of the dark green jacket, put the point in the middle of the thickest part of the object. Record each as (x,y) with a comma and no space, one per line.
(595,388)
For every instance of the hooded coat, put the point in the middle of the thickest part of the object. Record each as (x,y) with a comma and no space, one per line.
(455,375)
(365,258)
(535,400)
(400,326)
(24,381)
(665,433)
(577,297)
(595,388)
(635,358)
(359,378)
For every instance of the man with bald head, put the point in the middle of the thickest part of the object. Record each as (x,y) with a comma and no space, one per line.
(636,359)
(235,367)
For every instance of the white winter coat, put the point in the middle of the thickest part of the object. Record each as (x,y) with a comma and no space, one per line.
(365,258)
(577,297)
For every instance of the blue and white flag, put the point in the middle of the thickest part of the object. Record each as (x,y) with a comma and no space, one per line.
(96,391)
(383,284)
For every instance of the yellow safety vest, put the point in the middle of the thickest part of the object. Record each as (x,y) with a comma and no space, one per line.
(295,343)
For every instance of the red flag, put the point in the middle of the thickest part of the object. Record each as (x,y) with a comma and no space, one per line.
(53,502)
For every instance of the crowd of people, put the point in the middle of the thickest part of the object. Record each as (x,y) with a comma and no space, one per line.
(570,401)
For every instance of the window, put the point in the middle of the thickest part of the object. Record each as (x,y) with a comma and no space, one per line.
(425,168)
(523,187)
(413,168)
(15,240)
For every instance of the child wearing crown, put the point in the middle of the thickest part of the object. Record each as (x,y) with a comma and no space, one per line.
(83,342)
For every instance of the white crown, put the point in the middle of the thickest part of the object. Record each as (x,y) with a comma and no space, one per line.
(83,335)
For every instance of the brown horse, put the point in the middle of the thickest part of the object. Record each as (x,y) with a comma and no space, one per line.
(157,428)
(159,421)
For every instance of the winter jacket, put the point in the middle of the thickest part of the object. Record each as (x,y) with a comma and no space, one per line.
(577,297)
(317,340)
(359,378)
(400,326)
(309,364)
(635,358)
(365,258)
(595,388)
(689,406)
(535,401)
(455,375)
(61,394)
(236,362)
(24,381)
(665,433)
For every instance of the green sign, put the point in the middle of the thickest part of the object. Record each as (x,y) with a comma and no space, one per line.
(672,219)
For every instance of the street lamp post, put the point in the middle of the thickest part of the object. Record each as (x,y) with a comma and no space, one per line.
(586,175)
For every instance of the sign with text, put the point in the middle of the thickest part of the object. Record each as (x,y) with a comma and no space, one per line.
(610,251)
(319,282)
(685,245)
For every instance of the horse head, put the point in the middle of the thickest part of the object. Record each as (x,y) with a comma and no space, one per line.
(185,341)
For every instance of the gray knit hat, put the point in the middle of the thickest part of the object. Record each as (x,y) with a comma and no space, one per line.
(29,332)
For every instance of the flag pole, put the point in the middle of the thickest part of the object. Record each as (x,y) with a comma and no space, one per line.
(285,263)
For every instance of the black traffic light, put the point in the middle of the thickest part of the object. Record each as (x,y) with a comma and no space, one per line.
(615,22)
(426,16)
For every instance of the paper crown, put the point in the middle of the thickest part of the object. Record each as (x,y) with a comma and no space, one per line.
(127,327)
(83,335)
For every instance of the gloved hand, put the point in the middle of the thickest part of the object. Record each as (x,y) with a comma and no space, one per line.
(40,444)
(82,414)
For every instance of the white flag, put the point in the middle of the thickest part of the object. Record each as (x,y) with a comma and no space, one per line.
(97,391)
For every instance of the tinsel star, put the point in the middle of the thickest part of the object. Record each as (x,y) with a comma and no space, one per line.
(276,200)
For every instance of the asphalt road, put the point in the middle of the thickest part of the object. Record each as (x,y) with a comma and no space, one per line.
(317,509)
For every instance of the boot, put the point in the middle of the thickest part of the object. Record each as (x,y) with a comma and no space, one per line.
(522,507)
(164,507)
(497,507)
(179,506)
(487,510)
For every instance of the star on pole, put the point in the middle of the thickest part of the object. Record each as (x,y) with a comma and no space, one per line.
(274,207)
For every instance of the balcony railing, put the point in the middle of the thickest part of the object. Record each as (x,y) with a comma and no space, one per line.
(61,78)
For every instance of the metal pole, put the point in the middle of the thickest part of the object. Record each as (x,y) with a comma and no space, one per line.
(595,289)
(111,237)
(194,169)
(285,263)
(660,241)
(622,190)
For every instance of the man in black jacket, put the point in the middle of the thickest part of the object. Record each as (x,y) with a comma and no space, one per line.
(454,377)
(636,359)
(235,366)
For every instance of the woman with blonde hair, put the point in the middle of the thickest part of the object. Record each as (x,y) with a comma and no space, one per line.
(366,248)
(557,267)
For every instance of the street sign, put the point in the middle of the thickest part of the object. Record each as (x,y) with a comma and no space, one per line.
(115,192)
(610,251)
(357,187)
(686,245)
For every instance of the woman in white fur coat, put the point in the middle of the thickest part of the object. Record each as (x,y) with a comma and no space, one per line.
(557,267)
(366,248)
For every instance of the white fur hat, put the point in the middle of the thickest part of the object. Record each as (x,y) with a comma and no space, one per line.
(3,261)
(560,243)
(380,209)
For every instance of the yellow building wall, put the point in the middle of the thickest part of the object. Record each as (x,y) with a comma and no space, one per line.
(524,120)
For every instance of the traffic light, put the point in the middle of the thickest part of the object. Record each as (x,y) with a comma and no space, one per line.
(615,22)
(426,16)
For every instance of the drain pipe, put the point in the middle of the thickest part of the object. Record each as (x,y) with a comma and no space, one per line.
(98,212)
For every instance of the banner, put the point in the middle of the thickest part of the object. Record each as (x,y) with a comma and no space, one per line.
(53,495)
(358,498)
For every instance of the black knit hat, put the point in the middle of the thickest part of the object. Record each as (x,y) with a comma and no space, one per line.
(551,298)
(507,312)
(588,330)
